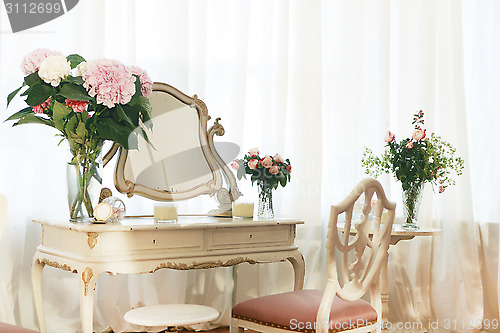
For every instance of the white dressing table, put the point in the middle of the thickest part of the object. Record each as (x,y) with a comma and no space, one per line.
(183,164)
(138,245)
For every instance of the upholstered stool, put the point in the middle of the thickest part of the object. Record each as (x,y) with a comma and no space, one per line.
(6,328)
(171,315)
(297,310)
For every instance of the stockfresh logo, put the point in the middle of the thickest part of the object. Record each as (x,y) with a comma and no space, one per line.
(26,14)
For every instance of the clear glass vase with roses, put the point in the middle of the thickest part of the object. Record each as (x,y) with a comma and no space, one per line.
(88,103)
(415,161)
(268,172)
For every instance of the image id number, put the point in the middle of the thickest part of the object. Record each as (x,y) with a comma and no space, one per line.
(470,324)
(33,8)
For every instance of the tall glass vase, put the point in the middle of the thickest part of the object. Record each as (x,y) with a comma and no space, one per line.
(265,209)
(412,197)
(84,184)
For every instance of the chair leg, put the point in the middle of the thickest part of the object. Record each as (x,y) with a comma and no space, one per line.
(236,329)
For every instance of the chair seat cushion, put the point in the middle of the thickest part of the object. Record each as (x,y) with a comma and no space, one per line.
(6,328)
(297,310)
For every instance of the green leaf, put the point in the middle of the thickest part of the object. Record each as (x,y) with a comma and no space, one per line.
(117,133)
(120,115)
(81,131)
(74,92)
(282,178)
(241,172)
(74,79)
(33,79)
(144,135)
(38,94)
(75,60)
(20,114)
(136,97)
(32,119)
(60,112)
(71,124)
(13,94)
(132,114)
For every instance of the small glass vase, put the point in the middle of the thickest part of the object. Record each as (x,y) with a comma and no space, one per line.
(84,187)
(412,197)
(265,209)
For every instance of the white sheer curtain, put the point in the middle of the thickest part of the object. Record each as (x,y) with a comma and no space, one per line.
(313,80)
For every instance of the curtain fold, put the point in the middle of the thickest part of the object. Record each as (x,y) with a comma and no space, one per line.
(315,81)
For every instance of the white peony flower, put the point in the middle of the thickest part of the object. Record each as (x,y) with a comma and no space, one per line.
(53,69)
(81,68)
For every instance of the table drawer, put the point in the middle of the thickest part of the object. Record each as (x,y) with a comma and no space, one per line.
(250,237)
(139,241)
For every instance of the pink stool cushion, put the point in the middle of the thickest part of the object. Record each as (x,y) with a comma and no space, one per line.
(297,310)
(6,328)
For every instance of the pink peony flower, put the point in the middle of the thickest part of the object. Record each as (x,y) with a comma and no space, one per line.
(279,159)
(253,163)
(109,81)
(289,168)
(418,134)
(274,170)
(77,106)
(146,82)
(42,107)
(254,152)
(441,189)
(409,145)
(389,137)
(267,161)
(235,164)
(31,62)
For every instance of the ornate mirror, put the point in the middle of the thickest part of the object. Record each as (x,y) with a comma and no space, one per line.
(182,161)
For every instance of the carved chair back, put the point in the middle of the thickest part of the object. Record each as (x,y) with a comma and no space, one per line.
(354,262)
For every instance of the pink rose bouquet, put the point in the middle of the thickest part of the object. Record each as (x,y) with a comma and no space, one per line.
(267,171)
(88,102)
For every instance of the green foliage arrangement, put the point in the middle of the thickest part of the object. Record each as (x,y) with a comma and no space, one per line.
(416,160)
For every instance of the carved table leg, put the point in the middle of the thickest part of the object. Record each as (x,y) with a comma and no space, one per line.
(299,269)
(88,280)
(36,281)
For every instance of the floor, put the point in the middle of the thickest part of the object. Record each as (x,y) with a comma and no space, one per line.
(216,330)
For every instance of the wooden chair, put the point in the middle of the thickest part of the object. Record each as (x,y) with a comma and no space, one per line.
(7,328)
(339,307)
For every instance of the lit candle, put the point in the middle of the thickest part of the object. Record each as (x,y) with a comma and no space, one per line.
(165,212)
(243,209)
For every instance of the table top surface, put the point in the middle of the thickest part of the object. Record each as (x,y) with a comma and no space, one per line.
(183,222)
(397,230)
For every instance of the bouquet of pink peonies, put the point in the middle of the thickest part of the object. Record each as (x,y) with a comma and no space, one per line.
(267,170)
(88,103)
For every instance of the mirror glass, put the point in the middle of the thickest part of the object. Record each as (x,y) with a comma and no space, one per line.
(177,162)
